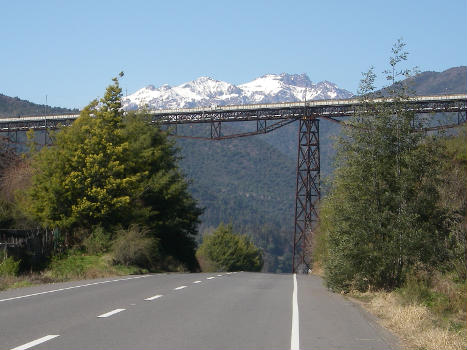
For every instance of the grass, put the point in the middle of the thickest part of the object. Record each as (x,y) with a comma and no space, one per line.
(74,266)
(82,266)
(418,325)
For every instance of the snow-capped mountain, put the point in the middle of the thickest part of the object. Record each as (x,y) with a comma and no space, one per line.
(205,91)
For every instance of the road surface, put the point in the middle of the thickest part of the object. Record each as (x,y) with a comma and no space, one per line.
(187,311)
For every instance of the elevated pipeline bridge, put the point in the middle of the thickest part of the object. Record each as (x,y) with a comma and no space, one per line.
(266,118)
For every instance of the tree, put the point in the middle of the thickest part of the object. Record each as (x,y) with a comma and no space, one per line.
(227,251)
(453,197)
(111,169)
(382,216)
(85,179)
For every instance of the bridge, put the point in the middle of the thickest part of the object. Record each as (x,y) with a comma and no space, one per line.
(266,118)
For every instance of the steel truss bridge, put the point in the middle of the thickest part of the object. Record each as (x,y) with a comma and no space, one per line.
(266,118)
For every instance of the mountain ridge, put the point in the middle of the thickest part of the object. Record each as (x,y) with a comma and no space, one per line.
(205,91)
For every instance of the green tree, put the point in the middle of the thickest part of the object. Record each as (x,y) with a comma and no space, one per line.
(110,169)
(453,199)
(227,251)
(162,202)
(85,179)
(382,216)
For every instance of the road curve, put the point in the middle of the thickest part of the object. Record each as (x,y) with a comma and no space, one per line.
(187,311)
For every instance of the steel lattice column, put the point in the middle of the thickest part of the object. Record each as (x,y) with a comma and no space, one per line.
(307,192)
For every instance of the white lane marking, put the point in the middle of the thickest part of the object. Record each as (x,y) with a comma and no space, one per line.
(35,342)
(219,275)
(210,278)
(110,313)
(154,297)
(181,287)
(195,282)
(74,287)
(295,336)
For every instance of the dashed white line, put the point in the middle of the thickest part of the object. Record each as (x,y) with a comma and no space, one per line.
(210,278)
(74,287)
(219,275)
(35,342)
(181,287)
(295,335)
(110,313)
(154,297)
(195,282)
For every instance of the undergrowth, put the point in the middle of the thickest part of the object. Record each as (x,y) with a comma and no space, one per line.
(73,266)
(427,312)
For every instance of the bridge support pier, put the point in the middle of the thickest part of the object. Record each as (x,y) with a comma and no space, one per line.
(307,193)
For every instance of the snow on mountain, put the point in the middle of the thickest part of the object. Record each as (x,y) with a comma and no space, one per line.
(205,91)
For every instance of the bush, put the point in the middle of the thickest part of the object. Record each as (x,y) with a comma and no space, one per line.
(134,247)
(64,267)
(436,291)
(9,267)
(97,242)
(226,251)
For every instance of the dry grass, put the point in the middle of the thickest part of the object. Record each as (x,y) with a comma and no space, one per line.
(8,282)
(414,324)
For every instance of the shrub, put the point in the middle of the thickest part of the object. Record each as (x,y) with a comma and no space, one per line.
(97,242)
(73,265)
(9,267)
(134,247)
(226,251)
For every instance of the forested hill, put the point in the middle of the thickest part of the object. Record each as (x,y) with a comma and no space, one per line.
(14,107)
(451,81)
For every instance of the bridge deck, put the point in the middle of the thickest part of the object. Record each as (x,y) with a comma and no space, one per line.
(272,111)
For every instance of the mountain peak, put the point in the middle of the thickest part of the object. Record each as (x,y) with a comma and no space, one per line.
(300,80)
(206,91)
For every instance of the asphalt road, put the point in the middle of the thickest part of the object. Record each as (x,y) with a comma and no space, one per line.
(187,311)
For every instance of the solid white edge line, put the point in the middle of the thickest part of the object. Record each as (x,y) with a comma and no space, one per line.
(195,282)
(154,297)
(74,287)
(110,313)
(295,335)
(35,342)
(181,287)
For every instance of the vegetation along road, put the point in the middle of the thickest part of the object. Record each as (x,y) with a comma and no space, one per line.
(187,311)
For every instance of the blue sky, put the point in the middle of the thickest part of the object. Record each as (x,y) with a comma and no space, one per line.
(70,50)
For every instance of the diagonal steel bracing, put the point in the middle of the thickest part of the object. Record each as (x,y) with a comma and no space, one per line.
(307,193)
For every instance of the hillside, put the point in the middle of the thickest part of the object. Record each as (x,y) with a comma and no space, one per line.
(14,107)
(248,183)
(450,81)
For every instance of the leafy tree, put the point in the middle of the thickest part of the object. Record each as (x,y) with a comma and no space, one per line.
(162,202)
(382,216)
(454,199)
(85,179)
(226,251)
(113,169)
